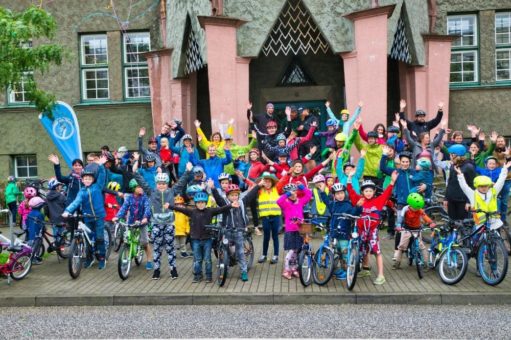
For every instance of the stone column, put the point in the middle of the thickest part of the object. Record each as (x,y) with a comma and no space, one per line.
(227,74)
(365,68)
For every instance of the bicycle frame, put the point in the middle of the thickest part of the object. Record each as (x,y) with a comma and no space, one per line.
(13,246)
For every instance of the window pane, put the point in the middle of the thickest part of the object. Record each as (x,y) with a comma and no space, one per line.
(21,161)
(32,172)
(32,161)
(22,172)
(464,25)
(468,76)
(91,94)
(502,58)
(137,82)
(103,94)
(134,44)
(502,28)
(94,49)
(96,84)
(464,66)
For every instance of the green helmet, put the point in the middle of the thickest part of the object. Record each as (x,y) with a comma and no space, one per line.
(415,201)
(133,184)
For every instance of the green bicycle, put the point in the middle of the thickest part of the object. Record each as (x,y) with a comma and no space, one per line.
(130,249)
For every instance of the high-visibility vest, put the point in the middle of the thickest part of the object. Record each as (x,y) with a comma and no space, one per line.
(268,203)
(480,204)
(320,206)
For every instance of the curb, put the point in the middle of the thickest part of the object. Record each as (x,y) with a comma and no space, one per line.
(474,298)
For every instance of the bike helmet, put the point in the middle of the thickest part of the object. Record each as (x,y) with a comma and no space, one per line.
(150,158)
(318,179)
(223,176)
(133,184)
(193,189)
(393,129)
(372,134)
(88,172)
(53,184)
(338,187)
(331,122)
(280,137)
(187,136)
(420,113)
(490,158)
(36,202)
(269,106)
(340,137)
(457,149)
(271,123)
(227,136)
(482,181)
(367,184)
(415,201)
(197,170)
(29,192)
(179,199)
(405,154)
(290,187)
(11,179)
(122,149)
(200,197)
(114,186)
(424,163)
(345,112)
(232,188)
(282,153)
(162,177)
(254,150)
(347,164)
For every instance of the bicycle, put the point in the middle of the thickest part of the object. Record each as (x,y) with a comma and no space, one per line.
(414,251)
(485,244)
(83,245)
(118,236)
(452,260)
(324,260)
(19,262)
(438,214)
(130,249)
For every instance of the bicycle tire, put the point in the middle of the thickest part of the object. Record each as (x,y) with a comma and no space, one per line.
(445,268)
(119,237)
(124,262)
(323,266)
(107,234)
(352,265)
(63,248)
(436,213)
(74,263)
(38,248)
(305,268)
(248,247)
(419,263)
(484,254)
(222,265)
(506,238)
(21,267)
(139,258)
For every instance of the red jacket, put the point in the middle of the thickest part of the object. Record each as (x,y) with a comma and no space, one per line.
(256,169)
(371,207)
(293,154)
(279,168)
(300,179)
(111,211)
(166,156)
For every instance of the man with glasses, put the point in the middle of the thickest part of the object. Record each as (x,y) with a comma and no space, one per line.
(420,124)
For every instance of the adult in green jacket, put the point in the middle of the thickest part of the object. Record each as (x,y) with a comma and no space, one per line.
(238,149)
(12,195)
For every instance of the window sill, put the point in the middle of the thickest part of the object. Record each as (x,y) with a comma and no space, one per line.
(480,86)
(112,103)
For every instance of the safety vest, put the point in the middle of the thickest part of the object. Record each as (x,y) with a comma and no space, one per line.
(268,203)
(480,204)
(320,206)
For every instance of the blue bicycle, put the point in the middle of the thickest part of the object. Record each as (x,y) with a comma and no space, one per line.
(324,259)
(307,257)
(452,260)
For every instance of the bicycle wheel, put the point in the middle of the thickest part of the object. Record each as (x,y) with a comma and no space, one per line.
(38,249)
(222,265)
(108,244)
(506,238)
(74,264)
(64,244)
(452,265)
(124,262)
(323,266)
(305,267)
(118,237)
(437,213)
(248,248)
(492,261)
(21,267)
(140,255)
(419,261)
(352,265)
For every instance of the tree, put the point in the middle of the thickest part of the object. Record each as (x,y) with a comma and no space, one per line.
(17,57)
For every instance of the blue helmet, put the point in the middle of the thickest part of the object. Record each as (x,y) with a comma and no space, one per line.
(331,122)
(280,136)
(200,197)
(193,189)
(457,149)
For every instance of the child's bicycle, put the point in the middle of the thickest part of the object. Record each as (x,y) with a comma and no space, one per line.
(130,249)
(19,261)
(324,260)
(414,252)
(452,261)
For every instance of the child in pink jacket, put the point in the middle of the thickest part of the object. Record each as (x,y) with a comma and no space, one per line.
(292,209)
(24,208)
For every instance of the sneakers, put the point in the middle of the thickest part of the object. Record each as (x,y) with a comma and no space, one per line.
(258,231)
(379,280)
(102,264)
(262,259)
(274,260)
(364,273)
(173,273)
(209,279)
(396,265)
(149,266)
(36,261)
(88,263)
(295,273)
(287,274)
(341,275)
(244,276)
(184,254)
(156,274)
(196,278)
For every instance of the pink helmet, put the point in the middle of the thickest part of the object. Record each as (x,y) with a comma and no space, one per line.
(36,202)
(29,192)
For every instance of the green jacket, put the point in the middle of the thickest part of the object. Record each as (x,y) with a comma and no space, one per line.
(343,154)
(238,149)
(481,156)
(373,156)
(12,193)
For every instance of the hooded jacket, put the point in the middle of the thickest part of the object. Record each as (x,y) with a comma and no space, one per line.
(55,205)
(90,198)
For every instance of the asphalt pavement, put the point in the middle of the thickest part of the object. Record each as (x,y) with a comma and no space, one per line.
(262,321)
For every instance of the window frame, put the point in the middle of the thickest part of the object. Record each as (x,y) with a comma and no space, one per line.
(104,66)
(28,167)
(11,92)
(503,47)
(466,49)
(140,64)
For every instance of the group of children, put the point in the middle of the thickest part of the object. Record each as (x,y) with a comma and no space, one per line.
(398,162)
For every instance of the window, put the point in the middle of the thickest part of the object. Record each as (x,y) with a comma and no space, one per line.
(136,72)
(25,166)
(464,53)
(18,94)
(503,46)
(94,67)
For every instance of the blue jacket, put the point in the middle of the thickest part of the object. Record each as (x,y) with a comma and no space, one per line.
(493,174)
(184,157)
(149,175)
(343,179)
(213,166)
(72,182)
(404,184)
(138,207)
(90,199)
(426,177)
(340,228)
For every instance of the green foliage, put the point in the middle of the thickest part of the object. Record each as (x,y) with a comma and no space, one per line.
(18,29)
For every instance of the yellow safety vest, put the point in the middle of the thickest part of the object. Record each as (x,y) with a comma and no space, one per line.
(480,204)
(268,203)
(320,206)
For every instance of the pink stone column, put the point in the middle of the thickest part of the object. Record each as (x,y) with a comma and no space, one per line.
(365,68)
(227,73)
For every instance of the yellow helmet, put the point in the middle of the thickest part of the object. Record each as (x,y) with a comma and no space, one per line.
(482,181)
(345,111)
(114,186)
(340,137)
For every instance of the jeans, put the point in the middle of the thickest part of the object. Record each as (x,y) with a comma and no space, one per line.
(271,225)
(255,213)
(202,251)
(13,207)
(503,198)
(98,228)
(237,238)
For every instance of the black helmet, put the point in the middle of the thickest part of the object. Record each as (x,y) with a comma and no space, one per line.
(347,164)
(420,113)
(88,172)
(372,134)
(150,158)
(406,154)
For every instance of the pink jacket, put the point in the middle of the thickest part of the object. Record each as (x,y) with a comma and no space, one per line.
(23,210)
(294,209)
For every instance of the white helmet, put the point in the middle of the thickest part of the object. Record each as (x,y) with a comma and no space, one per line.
(318,179)
(162,177)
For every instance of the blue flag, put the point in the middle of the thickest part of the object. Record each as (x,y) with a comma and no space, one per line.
(64,131)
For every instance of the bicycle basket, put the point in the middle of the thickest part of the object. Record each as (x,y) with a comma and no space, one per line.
(305,228)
